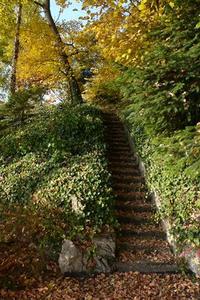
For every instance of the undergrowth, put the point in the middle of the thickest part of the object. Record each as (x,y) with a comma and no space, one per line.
(54,182)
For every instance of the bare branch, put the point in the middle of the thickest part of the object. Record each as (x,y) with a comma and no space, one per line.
(60,11)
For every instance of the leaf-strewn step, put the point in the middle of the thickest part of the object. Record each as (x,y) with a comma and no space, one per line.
(114,143)
(122,151)
(112,140)
(127,179)
(134,194)
(115,136)
(135,220)
(124,173)
(130,197)
(146,267)
(136,208)
(117,133)
(119,154)
(129,190)
(122,159)
(115,165)
(140,248)
(160,235)
(114,126)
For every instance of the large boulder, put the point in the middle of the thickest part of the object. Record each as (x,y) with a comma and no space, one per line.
(104,254)
(74,260)
(71,258)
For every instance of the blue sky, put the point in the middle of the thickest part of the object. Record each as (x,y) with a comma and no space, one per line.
(68,13)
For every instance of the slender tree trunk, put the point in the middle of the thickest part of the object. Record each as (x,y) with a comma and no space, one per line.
(74,86)
(13,79)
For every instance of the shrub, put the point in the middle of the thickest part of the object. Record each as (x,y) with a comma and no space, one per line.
(162,107)
(173,166)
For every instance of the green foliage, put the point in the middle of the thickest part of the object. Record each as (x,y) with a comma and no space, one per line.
(82,185)
(162,108)
(54,165)
(173,171)
(20,103)
(20,178)
(164,89)
(66,129)
(107,93)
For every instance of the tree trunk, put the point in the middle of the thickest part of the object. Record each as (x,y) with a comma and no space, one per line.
(74,86)
(75,90)
(13,79)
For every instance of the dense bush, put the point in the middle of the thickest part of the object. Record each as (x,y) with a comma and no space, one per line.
(20,104)
(54,166)
(173,171)
(161,103)
(64,129)
(164,89)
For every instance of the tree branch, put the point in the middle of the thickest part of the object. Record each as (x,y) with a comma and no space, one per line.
(40,4)
(77,52)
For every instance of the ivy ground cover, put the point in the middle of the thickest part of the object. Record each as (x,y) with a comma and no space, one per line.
(54,184)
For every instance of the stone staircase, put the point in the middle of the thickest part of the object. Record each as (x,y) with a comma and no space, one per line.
(141,242)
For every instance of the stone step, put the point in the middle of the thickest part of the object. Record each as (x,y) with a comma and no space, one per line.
(129,186)
(148,235)
(119,159)
(114,125)
(134,220)
(120,133)
(116,135)
(135,215)
(116,129)
(142,208)
(115,151)
(127,179)
(111,118)
(111,141)
(131,165)
(130,196)
(125,160)
(123,246)
(120,153)
(112,129)
(110,136)
(114,145)
(117,144)
(146,267)
(124,172)
(119,149)
(116,140)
